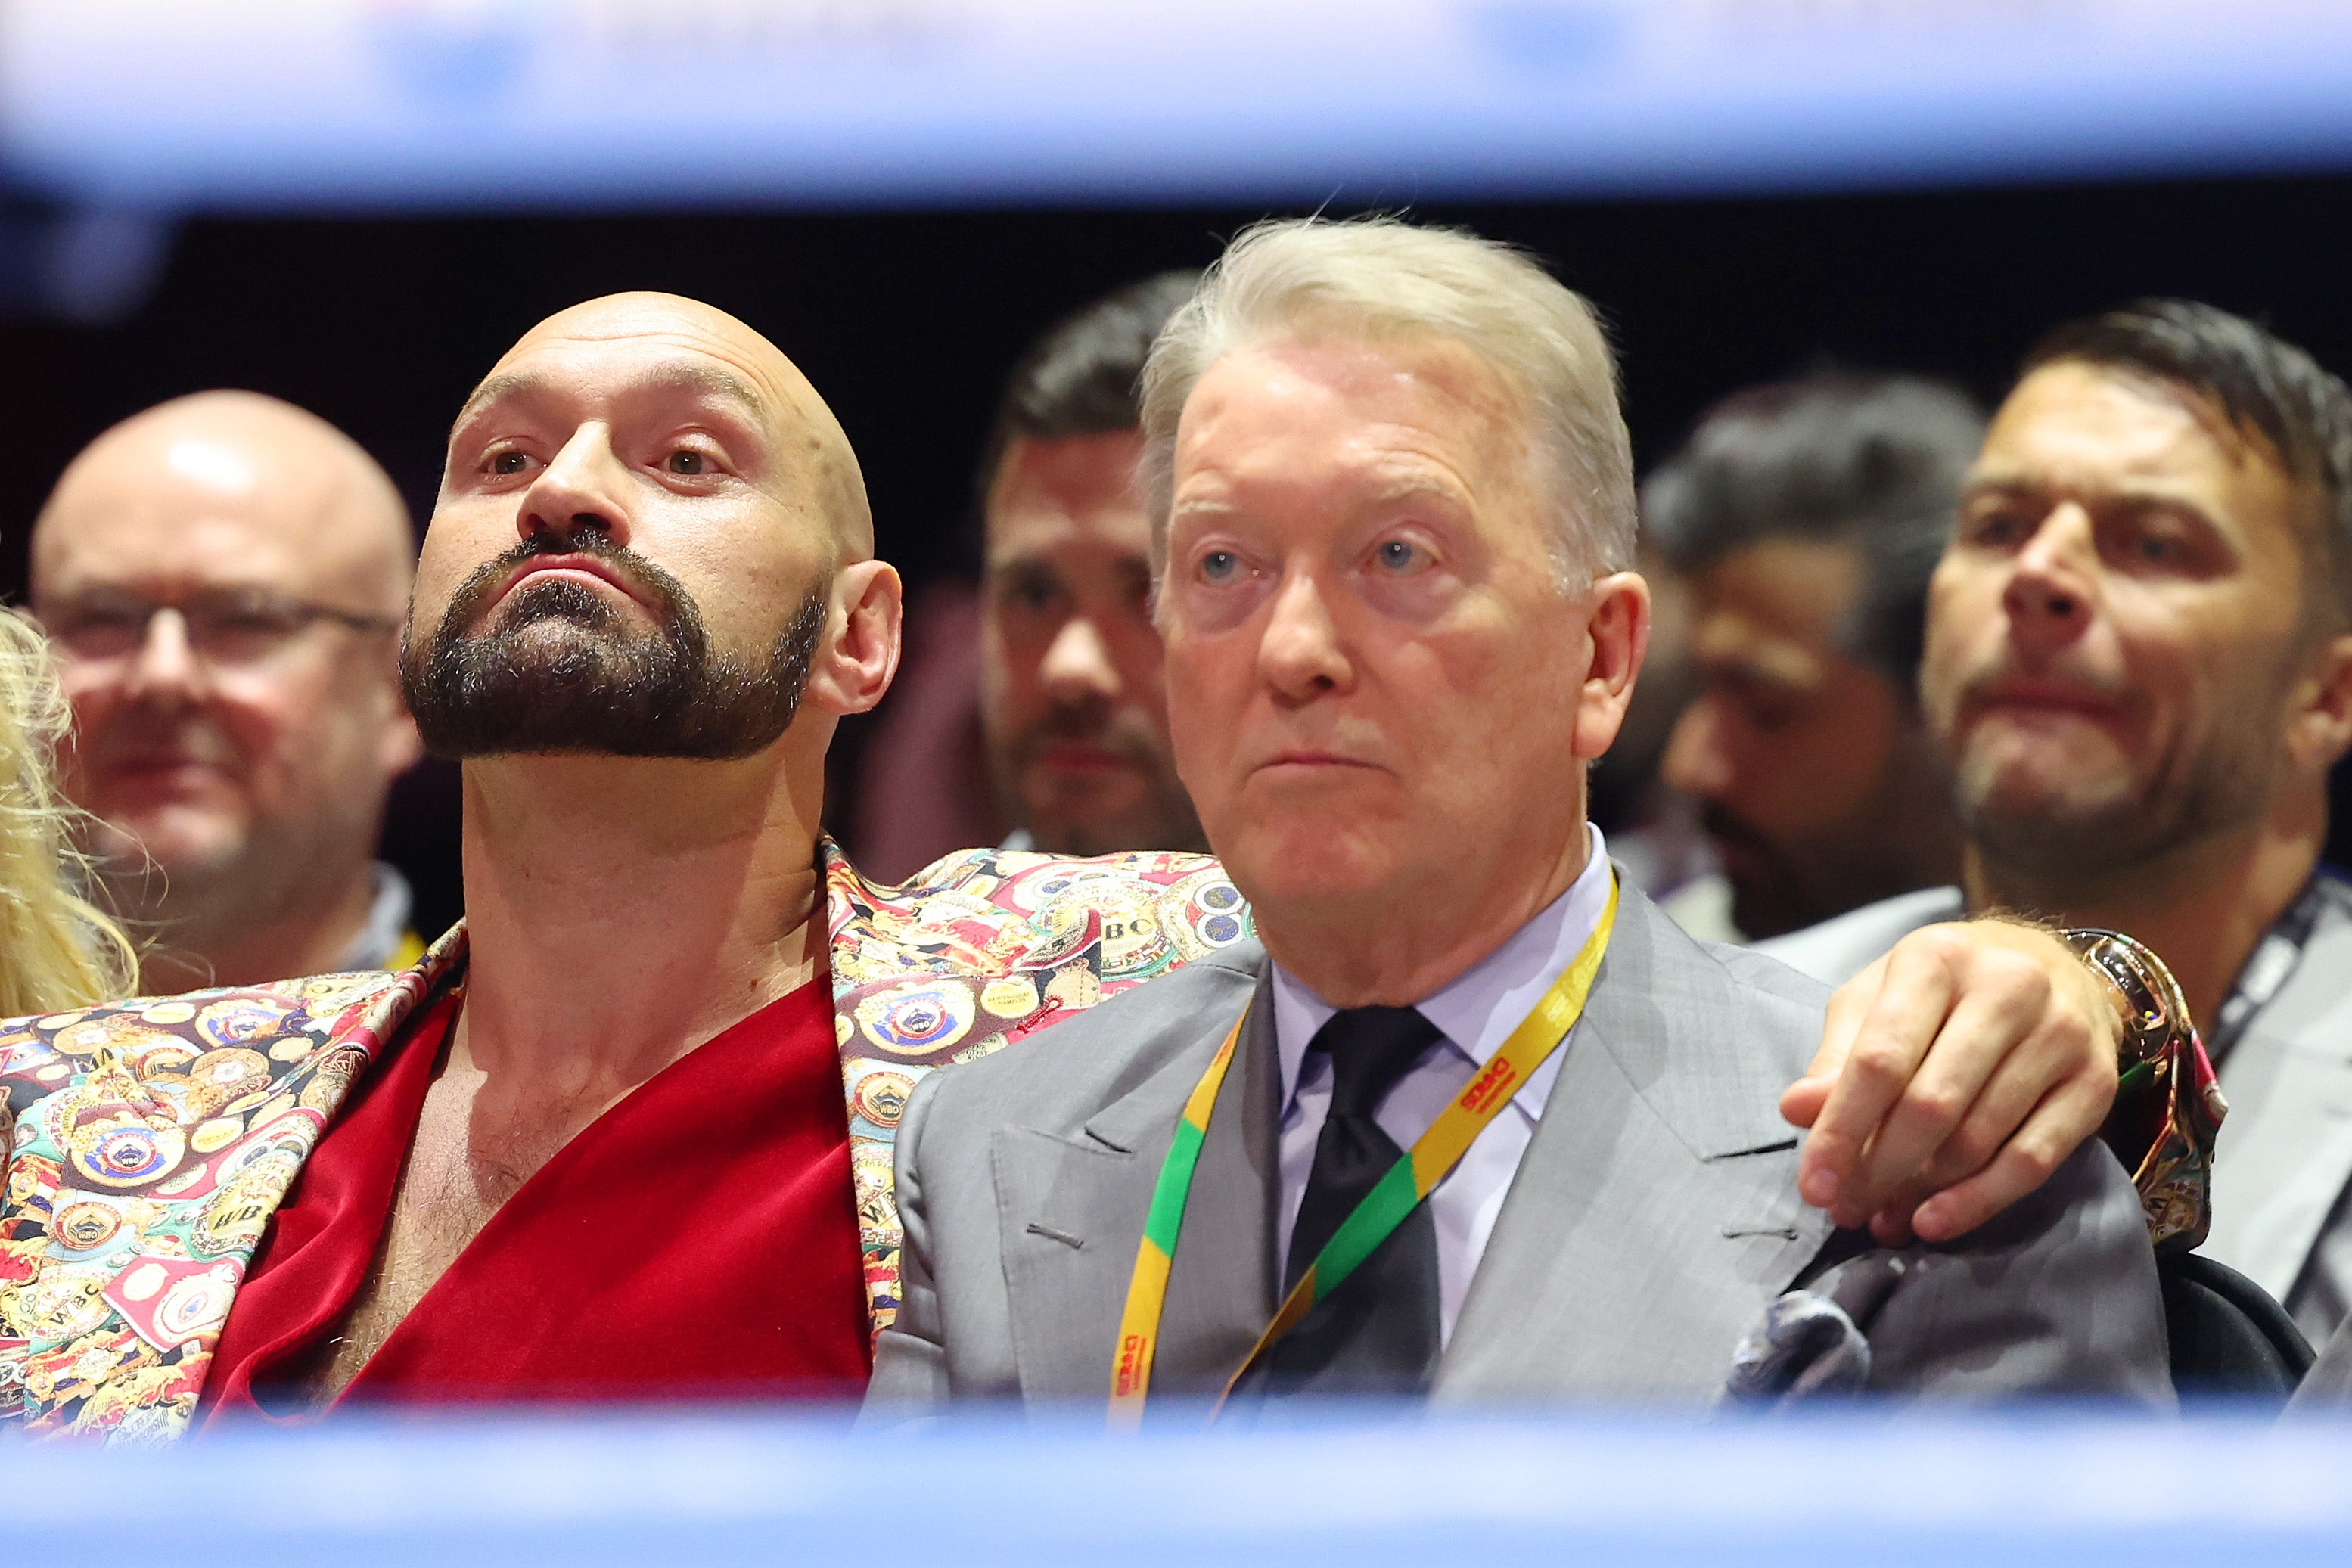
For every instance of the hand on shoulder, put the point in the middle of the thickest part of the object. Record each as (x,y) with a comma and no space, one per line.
(1955,1075)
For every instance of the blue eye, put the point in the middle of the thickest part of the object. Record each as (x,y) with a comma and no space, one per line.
(1398,554)
(1220,566)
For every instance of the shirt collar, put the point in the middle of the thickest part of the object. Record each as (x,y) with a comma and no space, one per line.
(1477,1010)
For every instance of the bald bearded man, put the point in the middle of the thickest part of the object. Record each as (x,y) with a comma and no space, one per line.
(223,579)
(650,549)
(594,1144)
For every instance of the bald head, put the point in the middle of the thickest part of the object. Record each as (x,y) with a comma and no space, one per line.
(266,492)
(651,539)
(223,578)
(700,348)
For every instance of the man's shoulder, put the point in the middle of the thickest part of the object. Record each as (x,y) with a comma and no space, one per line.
(1090,1058)
(44,1052)
(1713,1032)
(987,948)
(1002,911)
(1837,949)
(306,995)
(1753,972)
(153,1139)
(1683,968)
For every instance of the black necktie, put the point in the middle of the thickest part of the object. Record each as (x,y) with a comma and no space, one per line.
(1377,1333)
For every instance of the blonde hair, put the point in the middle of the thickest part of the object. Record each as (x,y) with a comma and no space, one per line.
(1381,277)
(57,950)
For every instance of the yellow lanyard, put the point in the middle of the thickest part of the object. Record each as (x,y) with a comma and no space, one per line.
(1407,1182)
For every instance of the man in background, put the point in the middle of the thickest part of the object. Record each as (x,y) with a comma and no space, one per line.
(1807,516)
(2138,671)
(222,580)
(1064,714)
(1072,698)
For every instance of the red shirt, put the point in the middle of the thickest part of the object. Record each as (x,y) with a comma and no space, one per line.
(697,1240)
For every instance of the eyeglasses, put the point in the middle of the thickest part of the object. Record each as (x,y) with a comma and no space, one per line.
(225,627)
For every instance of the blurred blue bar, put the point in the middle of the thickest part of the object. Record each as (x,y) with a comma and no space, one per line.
(522,105)
(1362,1489)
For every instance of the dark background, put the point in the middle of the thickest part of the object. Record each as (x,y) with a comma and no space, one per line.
(906,321)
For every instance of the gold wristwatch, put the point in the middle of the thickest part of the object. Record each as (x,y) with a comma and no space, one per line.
(2168,1104)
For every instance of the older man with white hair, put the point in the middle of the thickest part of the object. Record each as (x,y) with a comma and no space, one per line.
(1473,1120)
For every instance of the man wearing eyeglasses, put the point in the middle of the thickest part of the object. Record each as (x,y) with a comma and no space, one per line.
(222,580)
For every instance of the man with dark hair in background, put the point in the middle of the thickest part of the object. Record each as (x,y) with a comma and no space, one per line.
(1806,517)
(1071,693)
(2138,672)
(1066,716)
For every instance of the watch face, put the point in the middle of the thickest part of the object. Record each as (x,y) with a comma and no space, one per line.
(2150,1025)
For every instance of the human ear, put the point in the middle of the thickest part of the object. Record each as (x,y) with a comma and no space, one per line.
(1617,636)
(859,652)
(2319,727)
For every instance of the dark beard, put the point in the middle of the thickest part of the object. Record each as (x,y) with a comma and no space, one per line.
(561,674)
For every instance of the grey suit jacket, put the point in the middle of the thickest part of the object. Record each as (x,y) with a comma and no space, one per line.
(1654,1217)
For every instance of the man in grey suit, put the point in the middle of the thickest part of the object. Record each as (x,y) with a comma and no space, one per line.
(2138,672)
(1394,502)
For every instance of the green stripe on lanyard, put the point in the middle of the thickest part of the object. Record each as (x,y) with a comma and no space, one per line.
(1167,1215)
(1360,1234)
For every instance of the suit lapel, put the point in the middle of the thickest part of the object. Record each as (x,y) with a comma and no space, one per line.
(1654,1214)
(1071,1209)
